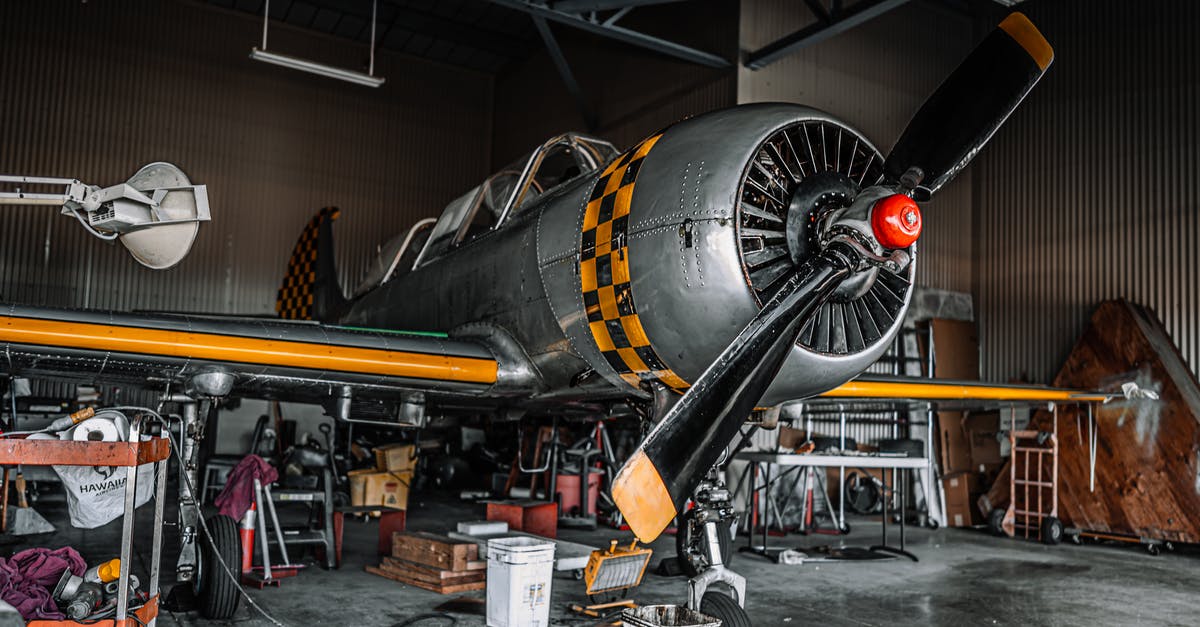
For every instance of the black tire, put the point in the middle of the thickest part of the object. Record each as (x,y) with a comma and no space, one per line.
(218,596)
(995,522)
(690,567)
(862,495)
(1052,530)
(724,608)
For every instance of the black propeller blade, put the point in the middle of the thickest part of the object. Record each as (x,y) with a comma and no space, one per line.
(661,475)
(942,138)
(964,112)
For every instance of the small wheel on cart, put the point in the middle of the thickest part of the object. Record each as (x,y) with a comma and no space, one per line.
(1052,530)
(995,522)
(724,608)
(1153,549)
(577,574)
(845,529)
(1076,538)
(932,523)
(1170,546)
(217,594)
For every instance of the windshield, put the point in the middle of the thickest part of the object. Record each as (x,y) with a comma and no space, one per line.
(514,187)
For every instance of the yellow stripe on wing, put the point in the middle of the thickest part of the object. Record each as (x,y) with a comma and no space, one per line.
(247,350)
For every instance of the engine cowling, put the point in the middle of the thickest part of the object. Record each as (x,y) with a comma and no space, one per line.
(686,235)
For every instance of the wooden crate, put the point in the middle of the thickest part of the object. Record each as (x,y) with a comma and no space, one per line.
(432,562)
(433,550)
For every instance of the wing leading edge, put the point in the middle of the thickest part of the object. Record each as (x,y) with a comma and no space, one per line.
(265,356)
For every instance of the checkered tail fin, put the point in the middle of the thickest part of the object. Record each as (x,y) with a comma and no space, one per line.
(310,289)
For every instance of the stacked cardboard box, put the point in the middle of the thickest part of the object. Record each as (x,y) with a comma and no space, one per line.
(434,563)
(386,484)
(968,451)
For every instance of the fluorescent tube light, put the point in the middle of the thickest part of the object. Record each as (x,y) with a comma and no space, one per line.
(313,67)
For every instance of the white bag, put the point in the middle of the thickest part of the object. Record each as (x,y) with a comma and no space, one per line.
(97,496)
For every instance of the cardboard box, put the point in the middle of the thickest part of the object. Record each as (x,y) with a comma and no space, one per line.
(396,457)
(982,429)
(962,490)
(790,438)
(955,350)
(954,449)
(371,487)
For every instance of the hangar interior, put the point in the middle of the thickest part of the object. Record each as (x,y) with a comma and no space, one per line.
(472,289)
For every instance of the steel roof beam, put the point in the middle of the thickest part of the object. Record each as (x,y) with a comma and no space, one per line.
(564,70)
(846,19)
(618,33)
(580,6)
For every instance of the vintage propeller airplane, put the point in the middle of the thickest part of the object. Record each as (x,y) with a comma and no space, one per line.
(734,260)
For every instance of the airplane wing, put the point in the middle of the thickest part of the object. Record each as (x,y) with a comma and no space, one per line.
(305,360)
(882,392)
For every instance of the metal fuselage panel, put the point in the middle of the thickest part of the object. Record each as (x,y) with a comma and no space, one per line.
(497,279)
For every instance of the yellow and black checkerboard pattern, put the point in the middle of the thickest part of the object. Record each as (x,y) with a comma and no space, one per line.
(604,274)
(295,298)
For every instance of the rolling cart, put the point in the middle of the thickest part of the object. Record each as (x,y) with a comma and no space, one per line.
(1033,489)
(129,455)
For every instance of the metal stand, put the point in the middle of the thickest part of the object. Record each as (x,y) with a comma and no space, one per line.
(899,492)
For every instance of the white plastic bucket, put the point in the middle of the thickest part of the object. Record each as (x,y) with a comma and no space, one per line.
(519,571)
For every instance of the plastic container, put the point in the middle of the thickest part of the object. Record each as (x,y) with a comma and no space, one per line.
(519,572)
(568,493)
(667,616)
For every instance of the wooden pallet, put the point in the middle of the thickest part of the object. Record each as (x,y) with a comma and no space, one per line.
(443,588)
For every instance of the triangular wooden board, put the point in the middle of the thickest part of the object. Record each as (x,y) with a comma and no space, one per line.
(1147,480)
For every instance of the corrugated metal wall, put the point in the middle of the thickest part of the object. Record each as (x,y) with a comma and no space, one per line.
(874,77)
(1090,191)
(634,92)
(95,90)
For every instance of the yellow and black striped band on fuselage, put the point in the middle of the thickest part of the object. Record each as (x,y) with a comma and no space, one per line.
(604,275)
(245,350)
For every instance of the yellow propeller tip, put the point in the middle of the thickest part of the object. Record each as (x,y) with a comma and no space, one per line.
(643,498)
(1030,38)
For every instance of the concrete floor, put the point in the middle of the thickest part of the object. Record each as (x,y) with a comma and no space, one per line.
(964,577)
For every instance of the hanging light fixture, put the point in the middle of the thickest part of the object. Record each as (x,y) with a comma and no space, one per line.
(312,67)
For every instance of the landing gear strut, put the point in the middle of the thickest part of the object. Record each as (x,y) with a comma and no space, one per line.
(705,549)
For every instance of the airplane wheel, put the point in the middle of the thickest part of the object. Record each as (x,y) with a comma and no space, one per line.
(1052,530)
(693,563)
(217,595)
(724,608)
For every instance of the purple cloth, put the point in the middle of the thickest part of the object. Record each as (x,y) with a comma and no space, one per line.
(27,580)
(238,494)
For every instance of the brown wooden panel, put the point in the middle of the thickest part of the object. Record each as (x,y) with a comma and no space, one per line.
(1147,482)
(72,453)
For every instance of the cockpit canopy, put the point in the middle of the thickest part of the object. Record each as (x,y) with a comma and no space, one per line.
(488,206)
